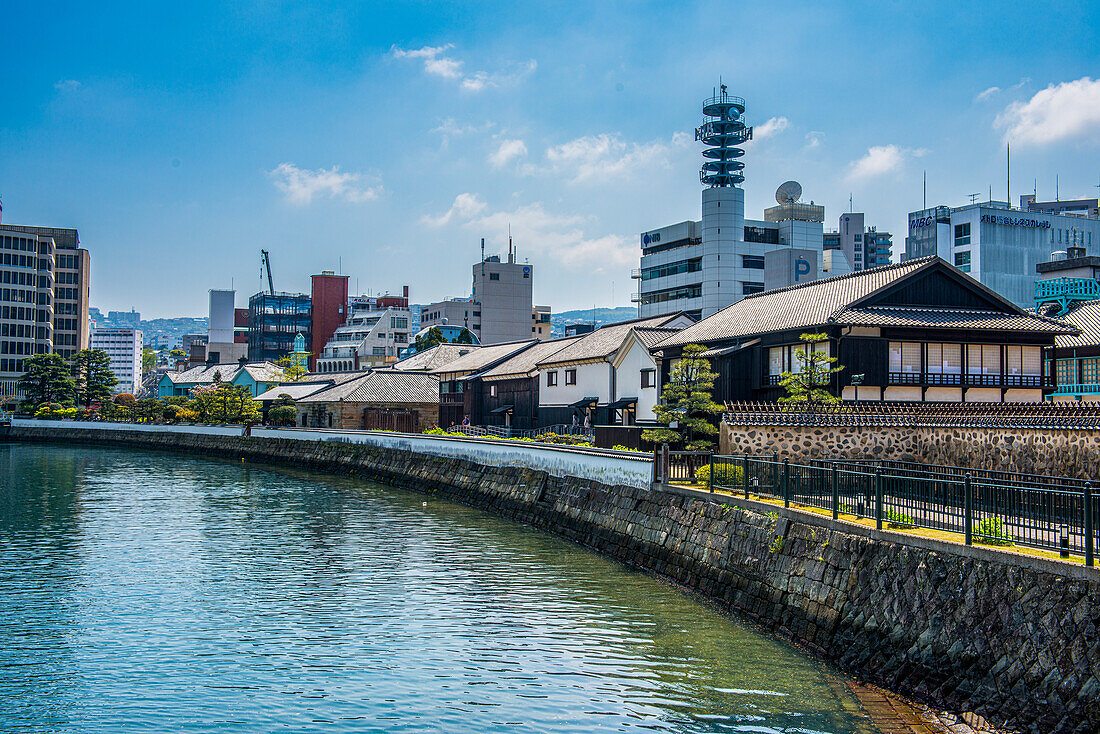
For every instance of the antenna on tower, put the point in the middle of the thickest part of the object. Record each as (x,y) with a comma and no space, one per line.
(482,258)
(926,188)
(973,197)
(723,129)
(1008,174)
(1057,196)
(511,258)
(851,207)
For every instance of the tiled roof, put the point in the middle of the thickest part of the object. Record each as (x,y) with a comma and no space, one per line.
(482,357)
(1086,317)
(204,374)
(947,318)
(265,372)
(382,386)
(526,361)
(603,342)
(296,390)
(828,302)
(434,358)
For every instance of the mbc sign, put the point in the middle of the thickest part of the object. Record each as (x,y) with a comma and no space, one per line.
(649,237)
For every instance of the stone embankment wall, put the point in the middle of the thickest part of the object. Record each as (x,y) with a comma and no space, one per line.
(1014,639)
(1071,453)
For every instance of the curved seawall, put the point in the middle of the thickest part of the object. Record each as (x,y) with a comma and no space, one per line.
(1012,638)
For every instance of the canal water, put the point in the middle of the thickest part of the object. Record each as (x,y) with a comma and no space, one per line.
(148,592)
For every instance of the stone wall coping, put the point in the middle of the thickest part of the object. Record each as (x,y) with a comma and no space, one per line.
(976,552)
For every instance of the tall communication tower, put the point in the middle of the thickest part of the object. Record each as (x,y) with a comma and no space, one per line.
(723,129)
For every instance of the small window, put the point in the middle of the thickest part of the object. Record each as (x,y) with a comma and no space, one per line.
(551,379)
(748,288)
(492,391)
(570,377)
(494,276)
(962,261)
(649,378)
(752,262)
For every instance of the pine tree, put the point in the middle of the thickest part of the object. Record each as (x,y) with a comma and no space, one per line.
(46,379)
(808,388)
(93,379)
(687,400)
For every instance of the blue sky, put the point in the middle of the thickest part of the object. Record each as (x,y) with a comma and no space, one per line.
(389,138)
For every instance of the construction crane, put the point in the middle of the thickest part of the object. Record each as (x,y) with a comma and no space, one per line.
(265,261)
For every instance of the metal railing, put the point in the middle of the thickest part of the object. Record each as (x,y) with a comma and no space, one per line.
(996,508)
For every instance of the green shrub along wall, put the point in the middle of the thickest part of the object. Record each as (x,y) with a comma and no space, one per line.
(965,629)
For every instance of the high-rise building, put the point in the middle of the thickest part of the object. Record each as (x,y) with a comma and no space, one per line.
(123,348)
(222,346)
(26,303)
(500,308)
(274,319)
(864,247)
(70,275)
(700,267)
(329,304)
(999,245)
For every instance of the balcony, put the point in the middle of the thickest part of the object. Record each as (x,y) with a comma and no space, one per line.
(956,379)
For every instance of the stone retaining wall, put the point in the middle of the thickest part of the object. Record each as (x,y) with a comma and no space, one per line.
(964,629)
(1070,453)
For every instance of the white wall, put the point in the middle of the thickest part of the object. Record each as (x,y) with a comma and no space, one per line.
(628,380)
(592,379)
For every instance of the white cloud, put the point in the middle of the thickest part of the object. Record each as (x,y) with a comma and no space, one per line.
(814,138)
(1070,110)
(508,150)
(879,160)
(67,85)
(982,96)
(300,184)
(438,63)
(774,126)
(558,237)
(607,156)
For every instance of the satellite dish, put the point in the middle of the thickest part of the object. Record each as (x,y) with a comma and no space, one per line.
(788,192)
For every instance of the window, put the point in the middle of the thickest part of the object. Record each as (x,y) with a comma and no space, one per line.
(962,234)
(399,322)
(494,276)
(649,378)
(748,288)
(492,391)
(798,361)
(551,379)
(962,261)
(778,360)
(683,266)
(983,359)
(905,356)
(378,351)
(1022,360)
(752,262)
(1090,371)
(944,359)
(1066,372)
(570,377)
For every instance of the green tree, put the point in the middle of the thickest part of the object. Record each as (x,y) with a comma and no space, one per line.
(224,403)
(429,340)
(687,401)
(47,380)
(807,389)
(465,336)
(295,368)
(93,379)
(177,353)
(148,360)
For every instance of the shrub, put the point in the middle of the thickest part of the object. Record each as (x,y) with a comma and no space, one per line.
(991,532)
(187,416)
(563,440)
(898,519)
(620,447)
(170,413)
(725,475)
(283,415)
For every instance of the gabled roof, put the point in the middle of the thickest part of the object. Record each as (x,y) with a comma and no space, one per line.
(482,358)
(1086,317)
(204,374)
(606,340)
(434,358)
(265,372)
(334,377)
(524,363)
(381,386)
(849,300)
(296,390)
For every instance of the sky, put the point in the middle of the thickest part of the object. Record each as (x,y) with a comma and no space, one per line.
(384,140)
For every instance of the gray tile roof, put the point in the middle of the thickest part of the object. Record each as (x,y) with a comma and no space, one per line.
(481,358)
(434,358)
(526,361)
(603,342)
(1086,317)
(265,372)
(296,390)
(382,386)
(204,374)
(828,301)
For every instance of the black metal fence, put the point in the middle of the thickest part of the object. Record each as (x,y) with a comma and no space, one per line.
(997,508)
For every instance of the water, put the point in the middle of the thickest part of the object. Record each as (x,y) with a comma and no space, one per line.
(146,592)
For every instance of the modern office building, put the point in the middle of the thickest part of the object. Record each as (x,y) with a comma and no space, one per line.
(376,333)
(1002,246)
(124,348)
(70,276)
(274,319)
(863,246)
(500,308)
(222,345)
(328,308)
(700,267)
(1069,289)
(26,303)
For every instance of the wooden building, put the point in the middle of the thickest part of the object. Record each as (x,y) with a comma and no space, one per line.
(920,330)
(383,399)
(507,394)
(453,405)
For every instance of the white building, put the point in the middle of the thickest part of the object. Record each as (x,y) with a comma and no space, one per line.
(374,334)
(220,344)
(1002,246)
(123,348)
(700,267)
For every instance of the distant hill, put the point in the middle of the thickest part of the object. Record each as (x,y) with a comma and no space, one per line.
(558,321)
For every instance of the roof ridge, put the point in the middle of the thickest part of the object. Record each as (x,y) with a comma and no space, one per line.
(842,276)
